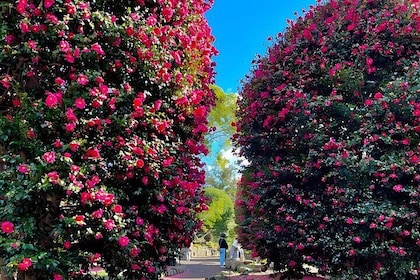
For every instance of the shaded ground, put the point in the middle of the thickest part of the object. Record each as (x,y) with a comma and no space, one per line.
(207,267)
(198,268)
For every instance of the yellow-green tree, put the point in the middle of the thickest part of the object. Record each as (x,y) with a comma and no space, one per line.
(220,212)
(221,168)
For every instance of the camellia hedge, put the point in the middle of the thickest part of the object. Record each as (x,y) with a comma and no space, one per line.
(103,113)
(330,122)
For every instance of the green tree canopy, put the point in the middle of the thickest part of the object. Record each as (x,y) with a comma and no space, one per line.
(220,213)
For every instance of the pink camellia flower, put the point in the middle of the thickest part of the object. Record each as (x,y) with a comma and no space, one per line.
(414,159)
(349,220)
(109,224)
(167,13)
(378,96)
(58,276)
(98,213)
(53,177)
(98,236)
(51,101)
(151,269)
(140,222)
(7,227)
(398,188)
(123,241)
(401,252)
(57,143)
(32,44)
(300,247)
(405,141)
(74,146)
(70,127)
(23,168)
(135,266)
(80,103)
(25,264)
(357,239)
(108,199)
(95,257)
(69,57)
(368,102)
(48,3)
(97,48)
(405,233)
(70,116)
(21,6)
(64,46)
(135,252)
(82,80)
(49,157)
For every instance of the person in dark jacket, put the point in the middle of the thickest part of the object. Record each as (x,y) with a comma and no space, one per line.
(223,246)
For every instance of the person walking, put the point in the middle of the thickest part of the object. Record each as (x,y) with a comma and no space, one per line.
(223,246)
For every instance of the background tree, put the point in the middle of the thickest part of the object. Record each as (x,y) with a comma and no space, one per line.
(221,117)
(329,120)
(223,175)
(104,108)
(221,168)
(219,216)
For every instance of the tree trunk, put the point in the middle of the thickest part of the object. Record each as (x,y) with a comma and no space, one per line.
(3,275)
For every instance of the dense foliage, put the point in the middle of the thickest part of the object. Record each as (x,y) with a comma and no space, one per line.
(220,213)
(104,107)
(330,122)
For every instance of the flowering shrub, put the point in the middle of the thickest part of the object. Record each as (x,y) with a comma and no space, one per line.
(329,120)
(104,107)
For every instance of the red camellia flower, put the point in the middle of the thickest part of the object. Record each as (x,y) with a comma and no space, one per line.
(67,245)
(140,163)
(7,227)
(25,264)
(117,208)
(79,219)
(16,102)
(92,153)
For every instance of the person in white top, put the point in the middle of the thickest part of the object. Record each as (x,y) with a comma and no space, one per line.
(235,251)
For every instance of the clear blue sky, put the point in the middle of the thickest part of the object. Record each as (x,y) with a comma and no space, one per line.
(241,28)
